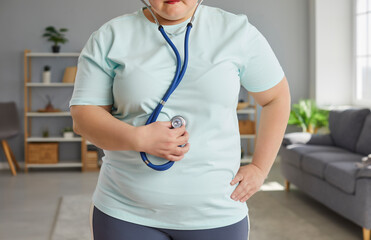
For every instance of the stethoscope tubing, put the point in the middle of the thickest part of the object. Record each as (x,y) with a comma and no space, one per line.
(177,79)
(179,74)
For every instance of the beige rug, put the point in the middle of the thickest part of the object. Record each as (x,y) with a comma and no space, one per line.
(268,218)
(72,218)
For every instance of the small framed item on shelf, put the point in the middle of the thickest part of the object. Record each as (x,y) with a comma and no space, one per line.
(69,74)
(46,153)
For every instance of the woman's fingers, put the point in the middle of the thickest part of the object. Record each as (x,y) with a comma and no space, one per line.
(165,141)
(174,158)
(183,139)
(180,151)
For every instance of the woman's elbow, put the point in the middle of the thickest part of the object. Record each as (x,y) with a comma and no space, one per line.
(75,127)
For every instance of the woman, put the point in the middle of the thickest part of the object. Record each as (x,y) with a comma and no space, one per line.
(124,70)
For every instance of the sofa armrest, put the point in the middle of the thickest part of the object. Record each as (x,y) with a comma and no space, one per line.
(321,139)
(364,172)
(363,195)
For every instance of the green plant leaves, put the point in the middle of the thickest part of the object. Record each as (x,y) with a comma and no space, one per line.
(51,29)
(54,35)
(308,116)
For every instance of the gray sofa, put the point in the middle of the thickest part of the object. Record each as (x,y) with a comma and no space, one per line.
(324,166)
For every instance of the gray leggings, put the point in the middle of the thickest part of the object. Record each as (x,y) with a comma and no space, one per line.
(105,227)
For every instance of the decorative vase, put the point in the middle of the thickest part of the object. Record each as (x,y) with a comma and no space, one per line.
(46,77)
(68,134)
(56,48)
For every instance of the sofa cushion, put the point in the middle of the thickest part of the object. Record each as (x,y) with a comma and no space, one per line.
(293,153)
(321,139)
(342,175)
(345,127)
(364,140)
(315,163)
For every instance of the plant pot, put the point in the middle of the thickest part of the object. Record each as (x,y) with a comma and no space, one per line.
(56,48)
(46,77)
(68,134)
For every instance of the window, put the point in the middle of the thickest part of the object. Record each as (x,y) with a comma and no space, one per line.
(363,51)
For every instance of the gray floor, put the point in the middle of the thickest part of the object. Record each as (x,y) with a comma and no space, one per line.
(28,203)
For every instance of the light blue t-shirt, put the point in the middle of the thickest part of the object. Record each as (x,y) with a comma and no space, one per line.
(127,63)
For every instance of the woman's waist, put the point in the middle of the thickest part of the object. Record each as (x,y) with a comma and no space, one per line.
(167,188)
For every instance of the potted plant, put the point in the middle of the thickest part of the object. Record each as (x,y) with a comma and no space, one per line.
(308,116)
(45,132)
(67,132)
(56,37)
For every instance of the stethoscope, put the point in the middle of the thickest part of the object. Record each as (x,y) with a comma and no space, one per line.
(177,121)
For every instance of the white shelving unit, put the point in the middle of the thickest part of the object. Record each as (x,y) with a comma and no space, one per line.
(36,84)
(29,115)
(53,139)
(48,114)
(250,110)
(43,54)
(65,164)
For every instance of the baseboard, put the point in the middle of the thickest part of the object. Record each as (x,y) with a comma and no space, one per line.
(5,165)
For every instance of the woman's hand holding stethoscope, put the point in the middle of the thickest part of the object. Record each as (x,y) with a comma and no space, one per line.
(164,141)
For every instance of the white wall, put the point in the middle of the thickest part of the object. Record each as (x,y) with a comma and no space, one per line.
(283,22)
(331,51)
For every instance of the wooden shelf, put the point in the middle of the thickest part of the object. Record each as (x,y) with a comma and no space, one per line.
(48,114)
(54,139)
(247,136)
(44,54)
(67,164)
(39,84)
(246,159)
(246,111)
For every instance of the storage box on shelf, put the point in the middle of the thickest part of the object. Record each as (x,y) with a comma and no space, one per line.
(45,151)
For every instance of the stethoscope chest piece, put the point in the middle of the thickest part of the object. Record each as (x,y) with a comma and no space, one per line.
(178,121)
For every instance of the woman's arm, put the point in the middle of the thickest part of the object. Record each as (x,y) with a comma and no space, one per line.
(272,125)
(96,124)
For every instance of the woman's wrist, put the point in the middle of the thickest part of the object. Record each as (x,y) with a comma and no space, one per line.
(137,138)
